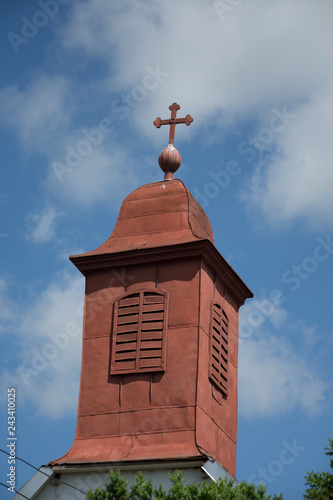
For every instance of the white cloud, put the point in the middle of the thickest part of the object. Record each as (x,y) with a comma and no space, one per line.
(41,226)
(48,340)
(222,71)
(262,55)
(274,377)
(298,181)
(107,173)
(38,112)
(212,64)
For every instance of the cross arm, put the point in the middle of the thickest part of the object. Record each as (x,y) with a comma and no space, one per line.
(172,121)
(158,122)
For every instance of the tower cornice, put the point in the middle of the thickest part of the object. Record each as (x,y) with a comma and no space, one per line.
(201,248)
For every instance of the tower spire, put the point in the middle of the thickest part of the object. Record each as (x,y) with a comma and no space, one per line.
(170,159)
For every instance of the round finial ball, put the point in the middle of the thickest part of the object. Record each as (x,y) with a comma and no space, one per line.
(170,159)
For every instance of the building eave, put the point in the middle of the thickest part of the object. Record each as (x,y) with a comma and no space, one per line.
(204,248)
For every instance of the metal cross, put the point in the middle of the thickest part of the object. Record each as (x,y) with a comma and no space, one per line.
(172,121)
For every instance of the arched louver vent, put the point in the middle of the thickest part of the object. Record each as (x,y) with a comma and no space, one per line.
(139,332)
(218,368)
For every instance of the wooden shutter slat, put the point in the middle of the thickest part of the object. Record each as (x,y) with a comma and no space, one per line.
(156,325)
(224,370)
(216,348)
(127,355)
(223,359)
(217,316)
(152,334)
(150,353)
(125,365)
(217,330)
(224,363)
(158,299)
(216,340)
(218,371)
(133,318)
(224,335)
(150,362)
(151,344)
(158,315)
(152,307)
(126,337)
(216,323)
(128,310)
(126,346)
(215,359)
(131,301)
(127,328)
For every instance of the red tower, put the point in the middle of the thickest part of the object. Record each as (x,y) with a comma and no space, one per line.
(160,335)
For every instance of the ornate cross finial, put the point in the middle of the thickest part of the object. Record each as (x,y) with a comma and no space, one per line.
(170,158)
(172,121)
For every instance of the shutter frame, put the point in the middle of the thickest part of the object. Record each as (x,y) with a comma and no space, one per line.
(139,332)
(219,347)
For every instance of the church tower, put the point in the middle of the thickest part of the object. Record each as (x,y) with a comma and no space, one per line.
(160,337)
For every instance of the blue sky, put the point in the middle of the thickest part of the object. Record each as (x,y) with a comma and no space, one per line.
(80,86)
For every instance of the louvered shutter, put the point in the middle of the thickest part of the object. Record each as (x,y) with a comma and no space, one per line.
(139,332)
(218,368)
